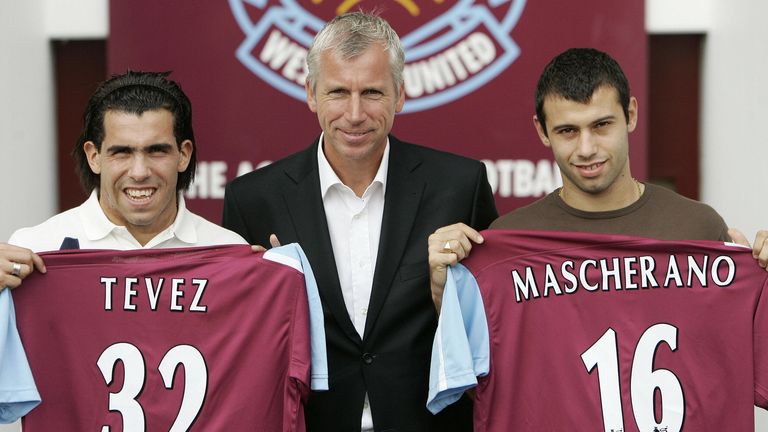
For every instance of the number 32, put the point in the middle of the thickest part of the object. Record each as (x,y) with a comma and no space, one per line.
(124,401)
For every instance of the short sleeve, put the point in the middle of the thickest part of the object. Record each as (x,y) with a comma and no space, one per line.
(293,255)
(18,394)
(460,351)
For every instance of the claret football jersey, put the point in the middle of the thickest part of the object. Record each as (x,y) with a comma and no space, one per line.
(575,331)
(206,339)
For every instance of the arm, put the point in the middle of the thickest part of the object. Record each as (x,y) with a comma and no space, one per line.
(16,263)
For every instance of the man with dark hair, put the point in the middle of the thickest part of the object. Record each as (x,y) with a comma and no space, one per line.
(584,113)
(135,157)
(579,321)
(361,203)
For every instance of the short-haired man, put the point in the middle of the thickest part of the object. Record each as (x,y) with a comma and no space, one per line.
(585,113)
(362,203)
(135,157)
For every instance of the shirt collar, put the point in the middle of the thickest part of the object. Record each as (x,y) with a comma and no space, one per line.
(97,225)
(328,177)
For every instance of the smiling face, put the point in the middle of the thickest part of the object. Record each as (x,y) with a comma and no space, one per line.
(138,166)
(355,101)
(590,143)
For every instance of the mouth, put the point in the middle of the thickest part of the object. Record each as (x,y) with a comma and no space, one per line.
(355,134)
(139,195)
(590,170)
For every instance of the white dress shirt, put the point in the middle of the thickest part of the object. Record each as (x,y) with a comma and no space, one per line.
(354,224)
(93,230)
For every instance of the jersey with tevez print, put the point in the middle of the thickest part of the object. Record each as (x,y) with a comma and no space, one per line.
(576,331)
(204,339)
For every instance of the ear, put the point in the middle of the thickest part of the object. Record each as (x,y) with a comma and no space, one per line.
(540,130)
(400,99)
(632,112)
(93,156)
(185,150)
(310,97)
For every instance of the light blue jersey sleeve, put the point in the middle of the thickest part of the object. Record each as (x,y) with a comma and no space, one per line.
(319,356)
(460,351)
(18,394)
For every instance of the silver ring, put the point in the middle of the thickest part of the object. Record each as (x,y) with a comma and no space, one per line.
(16,271)
(447,246)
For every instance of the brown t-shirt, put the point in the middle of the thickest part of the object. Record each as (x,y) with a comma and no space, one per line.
(659,213)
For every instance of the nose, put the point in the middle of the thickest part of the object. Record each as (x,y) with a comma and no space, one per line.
(587,144)
(355,111)
(139,169)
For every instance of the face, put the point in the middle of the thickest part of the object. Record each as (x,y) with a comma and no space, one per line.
(355,101)
(138,164)
(590,142)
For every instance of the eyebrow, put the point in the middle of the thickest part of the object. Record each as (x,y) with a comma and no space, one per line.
(593,122)
(126,148)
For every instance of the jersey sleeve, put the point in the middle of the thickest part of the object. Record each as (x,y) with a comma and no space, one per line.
(294,256)
(18,393)
(460,352)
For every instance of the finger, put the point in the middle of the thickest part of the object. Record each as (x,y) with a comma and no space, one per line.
(760,248)
(258,248)
(38,263)
(273,240)
(761,243)
(738,237)
(9,281)
(14,254)
(464,230)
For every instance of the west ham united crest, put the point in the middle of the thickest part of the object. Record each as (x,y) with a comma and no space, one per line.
(452,47)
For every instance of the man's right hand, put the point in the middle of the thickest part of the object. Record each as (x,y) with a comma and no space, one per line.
(16,263)
(447,246)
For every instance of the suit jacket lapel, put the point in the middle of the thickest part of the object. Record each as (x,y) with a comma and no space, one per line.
(305,205)
(401,203)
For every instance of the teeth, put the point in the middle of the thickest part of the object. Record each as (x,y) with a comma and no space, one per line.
(139,193)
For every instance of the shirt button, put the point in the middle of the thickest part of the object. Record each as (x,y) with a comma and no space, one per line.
(368,358)
(364,311)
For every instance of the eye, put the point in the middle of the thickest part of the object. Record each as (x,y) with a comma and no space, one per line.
(119,151)
(337,92)
(373,94)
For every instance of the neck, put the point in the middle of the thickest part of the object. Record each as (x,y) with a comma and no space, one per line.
(622,193)
(357,174)
(356,177)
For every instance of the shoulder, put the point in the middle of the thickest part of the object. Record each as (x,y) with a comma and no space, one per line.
(49,234)
(210,234)
(431,154)
(536,215)
(448,166)
(663,197)
(267,176)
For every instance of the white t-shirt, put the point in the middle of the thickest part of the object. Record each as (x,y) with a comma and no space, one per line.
(93,230)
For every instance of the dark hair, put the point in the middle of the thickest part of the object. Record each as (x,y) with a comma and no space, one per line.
(575,75)
(135,92)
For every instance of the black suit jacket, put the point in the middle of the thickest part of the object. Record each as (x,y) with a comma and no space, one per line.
(426,189)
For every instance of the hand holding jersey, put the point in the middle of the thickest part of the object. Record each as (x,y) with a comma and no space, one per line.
(759,246)
(16,263)
(447,246)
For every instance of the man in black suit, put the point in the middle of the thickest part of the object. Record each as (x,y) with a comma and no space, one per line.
(362,203)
